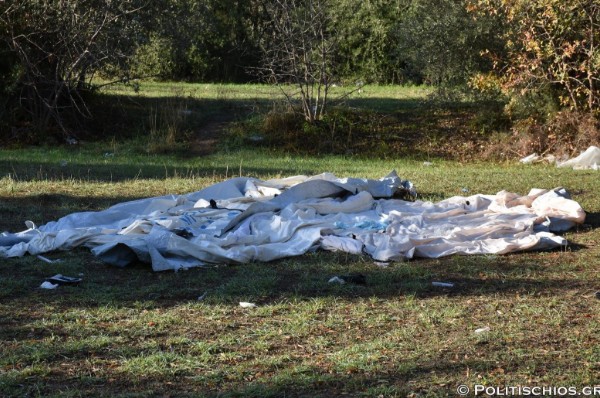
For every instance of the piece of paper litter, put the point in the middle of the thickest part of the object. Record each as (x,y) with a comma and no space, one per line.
(442,284)
(337,279)
(48,285)
(47,260)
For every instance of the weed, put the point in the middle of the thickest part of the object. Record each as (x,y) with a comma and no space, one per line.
(167,125)
(565,134)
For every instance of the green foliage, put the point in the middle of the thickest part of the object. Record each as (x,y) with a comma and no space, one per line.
(490,117)
(376,41)
(367,46)
(440,42)
(540,104)
(299,51)
(543,53)
(551,46)
(9,78)
(153,59)
(204,40)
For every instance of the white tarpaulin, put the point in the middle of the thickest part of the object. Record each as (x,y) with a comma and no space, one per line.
(246,219)
(590,159)
(587,160)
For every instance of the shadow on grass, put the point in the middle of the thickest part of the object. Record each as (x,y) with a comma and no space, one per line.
(296,279)
(592,220)
(121,118)
(393,381)
(130,292)
(130,114)
(311,381)
(125,116)
(97,172)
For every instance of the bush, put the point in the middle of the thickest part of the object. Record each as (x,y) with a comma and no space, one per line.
(566,133)
(152,59)
(342,131)
(9,78)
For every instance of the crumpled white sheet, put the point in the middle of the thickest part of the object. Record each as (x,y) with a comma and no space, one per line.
(246,219)
(587,160)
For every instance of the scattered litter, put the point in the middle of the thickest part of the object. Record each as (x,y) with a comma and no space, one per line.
(337,279)
(382,264)
(64,280)
(63,163)
(47,260)
(443,284)
(465,190)
(482,330)
(358,279)
(427,164)
(72,141)
(48,285)
(200,298)
(109,154)
(534,157)
(589,159)
(245,304)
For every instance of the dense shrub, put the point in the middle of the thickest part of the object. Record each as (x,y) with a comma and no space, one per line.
(566,133)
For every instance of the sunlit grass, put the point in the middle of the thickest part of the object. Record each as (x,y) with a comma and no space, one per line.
(226,91)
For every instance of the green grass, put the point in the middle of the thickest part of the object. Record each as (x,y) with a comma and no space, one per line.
(231,92)
(134,333)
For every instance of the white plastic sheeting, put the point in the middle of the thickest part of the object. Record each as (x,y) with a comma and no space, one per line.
(590,159)
(587,160)
(246,219)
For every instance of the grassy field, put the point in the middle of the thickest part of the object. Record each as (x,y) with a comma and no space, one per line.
(160,118)
(134,333)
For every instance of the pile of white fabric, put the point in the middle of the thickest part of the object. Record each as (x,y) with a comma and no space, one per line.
(246,219)
(587,160)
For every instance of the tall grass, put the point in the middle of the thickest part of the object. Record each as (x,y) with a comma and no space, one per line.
(167,124)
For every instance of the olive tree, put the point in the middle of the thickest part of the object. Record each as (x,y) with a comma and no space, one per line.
(441,42)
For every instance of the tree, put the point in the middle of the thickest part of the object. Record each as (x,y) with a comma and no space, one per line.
(57,46)
(299,49)
(367,44)
(440,41)
(550,44)
(198,40)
